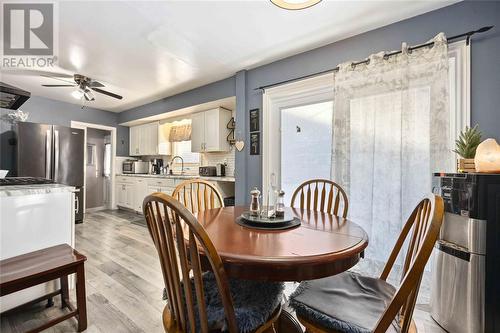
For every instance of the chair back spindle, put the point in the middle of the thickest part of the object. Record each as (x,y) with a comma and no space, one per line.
(321,195)
(178,238)
(198,195)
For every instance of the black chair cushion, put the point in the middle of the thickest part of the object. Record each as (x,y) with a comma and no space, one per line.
(348,302)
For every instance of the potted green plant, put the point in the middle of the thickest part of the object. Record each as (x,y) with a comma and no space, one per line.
(466,146)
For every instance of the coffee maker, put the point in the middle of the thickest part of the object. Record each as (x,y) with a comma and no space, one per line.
(156,166)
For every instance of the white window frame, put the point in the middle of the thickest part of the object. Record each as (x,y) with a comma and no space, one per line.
(459,103)
(308,91)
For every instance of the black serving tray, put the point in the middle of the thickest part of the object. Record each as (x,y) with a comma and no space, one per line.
(261,222)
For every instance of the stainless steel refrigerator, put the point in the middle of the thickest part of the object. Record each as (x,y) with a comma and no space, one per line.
(52,152)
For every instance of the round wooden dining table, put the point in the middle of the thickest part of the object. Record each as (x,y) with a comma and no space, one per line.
(322,245)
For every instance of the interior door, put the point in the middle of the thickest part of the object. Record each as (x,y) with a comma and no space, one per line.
(197,132)
(34,150)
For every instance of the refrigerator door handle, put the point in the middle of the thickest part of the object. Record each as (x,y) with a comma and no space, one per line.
(77,205)
(48,155)
(56,154)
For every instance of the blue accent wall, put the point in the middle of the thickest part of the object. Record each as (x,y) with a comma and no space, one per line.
(210,92)
(49,111)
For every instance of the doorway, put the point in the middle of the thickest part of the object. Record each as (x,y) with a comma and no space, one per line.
(99,163)
(98,170)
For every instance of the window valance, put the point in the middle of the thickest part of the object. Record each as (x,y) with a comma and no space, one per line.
(180,133)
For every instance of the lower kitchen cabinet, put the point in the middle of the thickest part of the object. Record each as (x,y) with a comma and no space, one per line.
(141,191)
(125,195)
(131,191)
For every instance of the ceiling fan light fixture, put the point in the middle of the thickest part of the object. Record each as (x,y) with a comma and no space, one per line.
(77,94)
(89,96)
(295,4)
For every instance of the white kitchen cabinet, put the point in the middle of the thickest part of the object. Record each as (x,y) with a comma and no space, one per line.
(166,186)
(134,140)
(125,195)
(164,145)
(32,222)
(140,192)
(209,131)
(144,139)
(120,194)
(197,132)
(131,190)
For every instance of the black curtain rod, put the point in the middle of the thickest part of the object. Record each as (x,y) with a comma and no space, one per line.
(467,35)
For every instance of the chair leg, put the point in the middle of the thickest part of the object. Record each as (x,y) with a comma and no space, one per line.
(81,301)
(64,291)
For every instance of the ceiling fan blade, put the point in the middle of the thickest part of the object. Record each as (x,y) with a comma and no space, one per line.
(95,84)
(58,85)
(110,94)
(36,73)
(59,79)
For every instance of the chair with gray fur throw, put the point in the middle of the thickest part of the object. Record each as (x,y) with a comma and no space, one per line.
(354,303)
(209,301)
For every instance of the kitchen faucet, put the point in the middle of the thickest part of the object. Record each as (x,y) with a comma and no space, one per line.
(172,162)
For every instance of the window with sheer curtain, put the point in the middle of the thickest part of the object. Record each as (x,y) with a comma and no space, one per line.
(391,131)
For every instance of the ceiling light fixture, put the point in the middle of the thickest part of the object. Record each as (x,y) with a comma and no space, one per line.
(89,96)
(295,4)
(77,94)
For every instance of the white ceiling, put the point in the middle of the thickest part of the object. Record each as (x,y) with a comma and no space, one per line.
(146,50)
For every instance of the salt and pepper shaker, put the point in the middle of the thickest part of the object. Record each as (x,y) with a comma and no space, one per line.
(254,203)
(279,206)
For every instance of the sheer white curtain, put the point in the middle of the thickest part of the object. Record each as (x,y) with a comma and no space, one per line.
(390,132)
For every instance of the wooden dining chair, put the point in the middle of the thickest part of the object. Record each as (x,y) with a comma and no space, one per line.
(350,302)
(198,195)
(197,301)
(321,195)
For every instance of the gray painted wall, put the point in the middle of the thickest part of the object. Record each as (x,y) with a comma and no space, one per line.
(48,111)
(210,92)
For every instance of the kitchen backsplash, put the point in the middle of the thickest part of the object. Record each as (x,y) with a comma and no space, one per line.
(206,159)
(214,158)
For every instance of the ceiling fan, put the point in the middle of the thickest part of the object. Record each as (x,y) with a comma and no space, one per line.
(85,85)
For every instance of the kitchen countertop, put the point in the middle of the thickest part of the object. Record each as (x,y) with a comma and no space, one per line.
(18,190)
(216,179)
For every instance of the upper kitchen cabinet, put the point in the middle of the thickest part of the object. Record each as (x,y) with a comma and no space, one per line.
(144,139)
(164,144)
(209,131)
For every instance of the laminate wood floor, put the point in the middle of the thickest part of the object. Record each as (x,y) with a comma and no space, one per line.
(124,281)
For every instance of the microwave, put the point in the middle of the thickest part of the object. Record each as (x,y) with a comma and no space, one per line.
(132,166)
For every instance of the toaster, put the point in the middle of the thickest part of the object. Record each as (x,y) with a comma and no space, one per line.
(208,171)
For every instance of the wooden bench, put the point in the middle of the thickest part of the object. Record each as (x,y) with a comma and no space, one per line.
(57,262)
